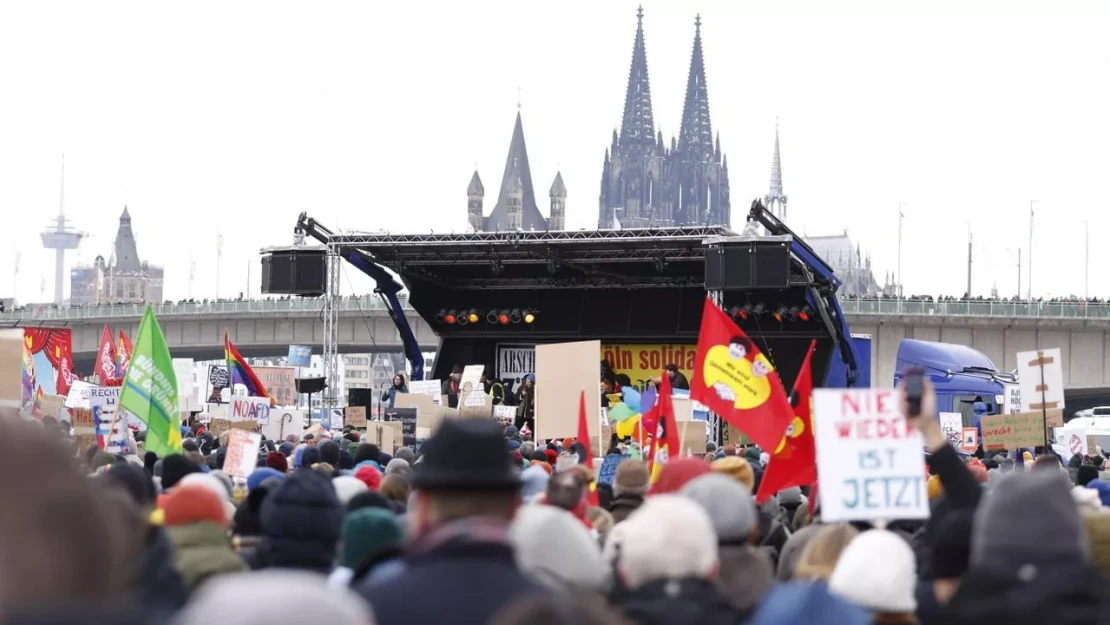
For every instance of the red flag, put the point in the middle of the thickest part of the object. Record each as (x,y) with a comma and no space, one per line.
(665,442)
(735,380)
(106,360)
(794,462)
(584,441)
(125,349)
(66,376)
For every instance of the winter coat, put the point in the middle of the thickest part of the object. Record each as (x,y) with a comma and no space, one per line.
(670,602)
(746,574)
(465,567)
(158,585)
(1073,594)
(300,521)
(201,550)
(623,506)
(391,395)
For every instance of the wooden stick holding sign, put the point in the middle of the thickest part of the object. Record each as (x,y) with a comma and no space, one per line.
(1041,377)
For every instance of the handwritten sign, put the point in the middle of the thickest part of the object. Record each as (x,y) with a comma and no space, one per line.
(1011,431)
(952,424)
(869,458)
(431,388)
(407,419)
(245,409)
(355,416)
(470,386)
(335,419)
(242,453)
(969,440)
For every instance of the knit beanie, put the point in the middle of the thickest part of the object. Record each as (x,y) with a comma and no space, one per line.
(369,499)
(277,461)
(877,571)
(192,503)
(369,476)
(631,478)
(1086,473)
(287,448)
(176,466)
(737,468)
(676,473)
(310,456)
(135,481)
(539,454)
(406,454)
(727,502)
(367,532)
(329,453)
(347,486)
(261,475)
(1101,486)
(951,545)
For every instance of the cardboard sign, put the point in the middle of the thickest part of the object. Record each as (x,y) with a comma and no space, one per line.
(1012,431)
(952,424)
(51,406)
(1041,378)
(407,418)
(431,388)
(283,422)
(692,436)
(381,433)
(11,368)
(470,386)
(969,440)
(869,458)
(429,414)
(563,370)
(242,453)
(477,406)
(219,426)
(255,409)
(355,416)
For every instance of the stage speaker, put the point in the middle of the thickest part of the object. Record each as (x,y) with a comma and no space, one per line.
(360,397)
(295,271)
(747,265)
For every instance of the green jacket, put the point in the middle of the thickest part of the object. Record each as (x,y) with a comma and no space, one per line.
(202,550)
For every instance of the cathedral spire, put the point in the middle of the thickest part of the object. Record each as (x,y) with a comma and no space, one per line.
(637,125)
(775,200)
(696,133)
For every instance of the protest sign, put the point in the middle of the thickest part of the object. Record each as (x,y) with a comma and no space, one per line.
(969,440)
(505,414)
(869,458)
(78,396)
(431,388)
(1012,431)
(1011,398)
(952,424)
(244,409)
(51,406)
(407,418)
(299,356)
(11,368)
(242,453)
(470,386)
(283,422)
(355,416)
(335,418)
(565,369)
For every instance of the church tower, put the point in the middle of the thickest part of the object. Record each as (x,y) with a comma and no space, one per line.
(515,205)
(557,218)
(775,200)
(475,193)
(633,168)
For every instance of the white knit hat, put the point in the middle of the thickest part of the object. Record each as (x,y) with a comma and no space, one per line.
(877,571)
(347,486)
(669,537)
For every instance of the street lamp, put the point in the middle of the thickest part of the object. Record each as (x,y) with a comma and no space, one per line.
(1030,292)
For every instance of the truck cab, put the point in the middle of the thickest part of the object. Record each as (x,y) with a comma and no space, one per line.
(962,376)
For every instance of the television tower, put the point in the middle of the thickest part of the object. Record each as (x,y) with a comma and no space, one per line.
(60,239)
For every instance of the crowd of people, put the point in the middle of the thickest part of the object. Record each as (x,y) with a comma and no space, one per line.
(484,525)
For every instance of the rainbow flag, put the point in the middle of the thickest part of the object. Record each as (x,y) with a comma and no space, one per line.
(241,372)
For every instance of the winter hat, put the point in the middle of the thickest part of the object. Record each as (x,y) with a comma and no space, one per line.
(207,480)
(369,499)
(737,469)
(951,545)
(551,456)
(1086,473)
(669,537)
(384,459)
(255,479)
(729,505)
(676,473)
(1027,520)
(367,451)
(193,503)
(368,532)
(791,496)
(1102,486)
(347,486)
(399,466)
(369,476)
(274,596)
(877,571)
(751,454)
(533,482)
(310,456)
(277,461)
(175,467)
(631,478)
(514,445)
(287,448)
(406,454)
(813,604)
(933,487)
(819,550)
(539,454)
(555,548)
(352,448)
(135,481)
(301,519)
(1086,499)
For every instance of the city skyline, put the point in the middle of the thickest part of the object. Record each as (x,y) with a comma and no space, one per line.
(981,129)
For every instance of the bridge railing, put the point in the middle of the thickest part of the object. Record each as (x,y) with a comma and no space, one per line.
(851,306)
(228,307)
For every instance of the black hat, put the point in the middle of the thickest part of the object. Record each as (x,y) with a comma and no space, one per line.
(466,454)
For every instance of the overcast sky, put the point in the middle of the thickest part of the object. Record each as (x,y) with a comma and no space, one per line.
(233,117)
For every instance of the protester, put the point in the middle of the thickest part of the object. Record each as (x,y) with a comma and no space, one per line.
(398,386)
(301,518)
(556,550)
(197,527)
(887,591)
(269,597)
(371,548)
(630,485)
(819,557)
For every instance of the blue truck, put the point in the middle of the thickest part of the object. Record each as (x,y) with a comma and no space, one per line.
(838,369)
(961,375)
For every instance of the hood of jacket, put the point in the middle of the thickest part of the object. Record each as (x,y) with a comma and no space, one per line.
(202,550)
(669,602)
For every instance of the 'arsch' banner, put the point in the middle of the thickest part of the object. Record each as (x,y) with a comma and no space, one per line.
(640,362)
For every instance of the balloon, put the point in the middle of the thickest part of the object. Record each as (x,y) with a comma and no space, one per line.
(631,397)
(620,412)
(647,400)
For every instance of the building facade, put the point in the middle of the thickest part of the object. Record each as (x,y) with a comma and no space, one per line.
(849,263)
(280,382)
(125,279)
(516,207)
(645,182)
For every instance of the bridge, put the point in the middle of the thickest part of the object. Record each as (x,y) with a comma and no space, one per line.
(267,327)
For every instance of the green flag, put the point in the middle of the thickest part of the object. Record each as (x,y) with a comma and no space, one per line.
(150,388)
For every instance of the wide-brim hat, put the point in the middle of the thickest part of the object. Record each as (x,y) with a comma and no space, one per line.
(466,454)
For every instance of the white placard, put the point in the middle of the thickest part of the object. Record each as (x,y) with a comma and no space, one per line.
(183,369)
(283,422)
(242,453)
(471,387)
(78,396)
(250,409)
(504,413)
(431,388)
(336,418)
(952,424)
(869,459)
(1011,399)
(1041,378)
(1074,440)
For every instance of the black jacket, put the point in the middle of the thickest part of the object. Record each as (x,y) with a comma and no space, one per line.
(624,505)
(160,590)
(461,573)
(674,602)
(1076,596)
